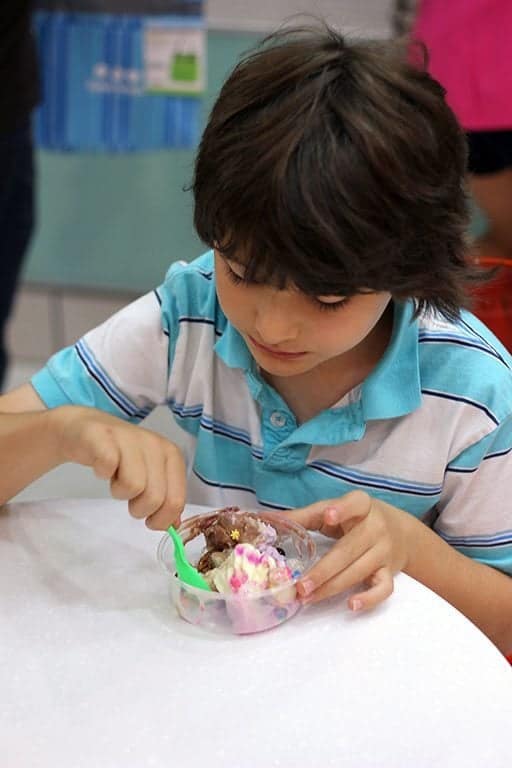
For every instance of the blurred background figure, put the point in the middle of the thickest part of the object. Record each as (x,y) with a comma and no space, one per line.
(468,44)
(19,93)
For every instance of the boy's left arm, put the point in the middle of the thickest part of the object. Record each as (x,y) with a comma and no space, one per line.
(377,540)
(479,591)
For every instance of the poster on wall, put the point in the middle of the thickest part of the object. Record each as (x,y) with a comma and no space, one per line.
(120,75)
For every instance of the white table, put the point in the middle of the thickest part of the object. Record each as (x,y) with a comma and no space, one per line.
(96,670)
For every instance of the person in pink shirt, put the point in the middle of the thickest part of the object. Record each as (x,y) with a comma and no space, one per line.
(468,44)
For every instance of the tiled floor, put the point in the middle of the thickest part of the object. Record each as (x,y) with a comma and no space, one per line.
(72,480)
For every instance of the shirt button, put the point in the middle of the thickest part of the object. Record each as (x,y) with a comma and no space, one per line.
(277,419)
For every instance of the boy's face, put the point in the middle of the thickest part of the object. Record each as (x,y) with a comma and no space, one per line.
(289,333)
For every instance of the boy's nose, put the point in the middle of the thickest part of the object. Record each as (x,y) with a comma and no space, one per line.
(275,320)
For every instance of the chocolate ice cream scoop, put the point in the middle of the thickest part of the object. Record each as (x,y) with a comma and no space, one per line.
(231,527)
(210,560)
(224,530)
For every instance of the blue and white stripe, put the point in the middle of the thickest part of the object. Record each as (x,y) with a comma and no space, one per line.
(104,381)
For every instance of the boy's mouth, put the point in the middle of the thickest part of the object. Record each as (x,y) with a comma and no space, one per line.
(275,351)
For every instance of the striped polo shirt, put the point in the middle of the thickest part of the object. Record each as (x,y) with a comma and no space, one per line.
(429,430)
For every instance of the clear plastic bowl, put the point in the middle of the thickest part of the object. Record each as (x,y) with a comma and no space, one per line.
(237,614)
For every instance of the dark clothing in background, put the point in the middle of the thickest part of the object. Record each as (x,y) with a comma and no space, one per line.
(19,93)
(19,84)
(489,151)
(16,218)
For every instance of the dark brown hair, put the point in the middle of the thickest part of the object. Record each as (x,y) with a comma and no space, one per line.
(336,165)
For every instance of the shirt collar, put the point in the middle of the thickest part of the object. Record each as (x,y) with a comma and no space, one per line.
(393,388)
(232,349)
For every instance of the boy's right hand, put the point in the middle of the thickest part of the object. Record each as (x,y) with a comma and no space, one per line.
(143,467)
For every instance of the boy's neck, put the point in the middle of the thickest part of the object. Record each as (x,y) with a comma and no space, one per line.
(309,393)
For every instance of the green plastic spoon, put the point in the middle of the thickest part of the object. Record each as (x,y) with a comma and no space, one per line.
(186,572)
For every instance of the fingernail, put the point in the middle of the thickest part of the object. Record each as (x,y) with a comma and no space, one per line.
(356,605)
(305,587)
(331,513)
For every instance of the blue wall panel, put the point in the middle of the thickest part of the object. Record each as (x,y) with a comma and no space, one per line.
(117,221)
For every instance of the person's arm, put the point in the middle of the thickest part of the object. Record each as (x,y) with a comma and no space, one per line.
(377,540)
(480,592)
(96,391)
(143,467)
(24,451)
(24,398)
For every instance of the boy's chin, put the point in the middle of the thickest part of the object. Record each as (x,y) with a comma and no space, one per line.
(285,368)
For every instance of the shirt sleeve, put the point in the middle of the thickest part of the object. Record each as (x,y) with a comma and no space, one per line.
(475,511)
(121,367)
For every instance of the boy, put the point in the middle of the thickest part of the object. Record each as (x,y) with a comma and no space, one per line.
(317,356)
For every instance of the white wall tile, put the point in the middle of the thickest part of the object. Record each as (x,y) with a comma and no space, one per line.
(81,312)
(367,17)
(30,332)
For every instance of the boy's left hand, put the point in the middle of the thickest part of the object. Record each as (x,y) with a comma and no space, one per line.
(373,544)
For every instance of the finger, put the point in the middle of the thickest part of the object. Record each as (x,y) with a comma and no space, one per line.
(130,479)
(338,559)
(104,454)
(94,446)
(357,572)
(332,517)
(170,511)
(381,588)
(312,516)
(106,462)
(155,490)
(348,510)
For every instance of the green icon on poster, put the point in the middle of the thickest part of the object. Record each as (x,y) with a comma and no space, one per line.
(184,68)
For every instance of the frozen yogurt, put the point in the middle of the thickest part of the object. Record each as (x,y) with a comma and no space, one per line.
(242,555)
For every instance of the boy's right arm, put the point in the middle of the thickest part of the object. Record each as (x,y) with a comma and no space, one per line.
(142,467)
(24,398)
(95,392)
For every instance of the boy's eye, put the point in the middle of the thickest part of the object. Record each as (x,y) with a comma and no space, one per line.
(234,272)
(238,270)
(330,302)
